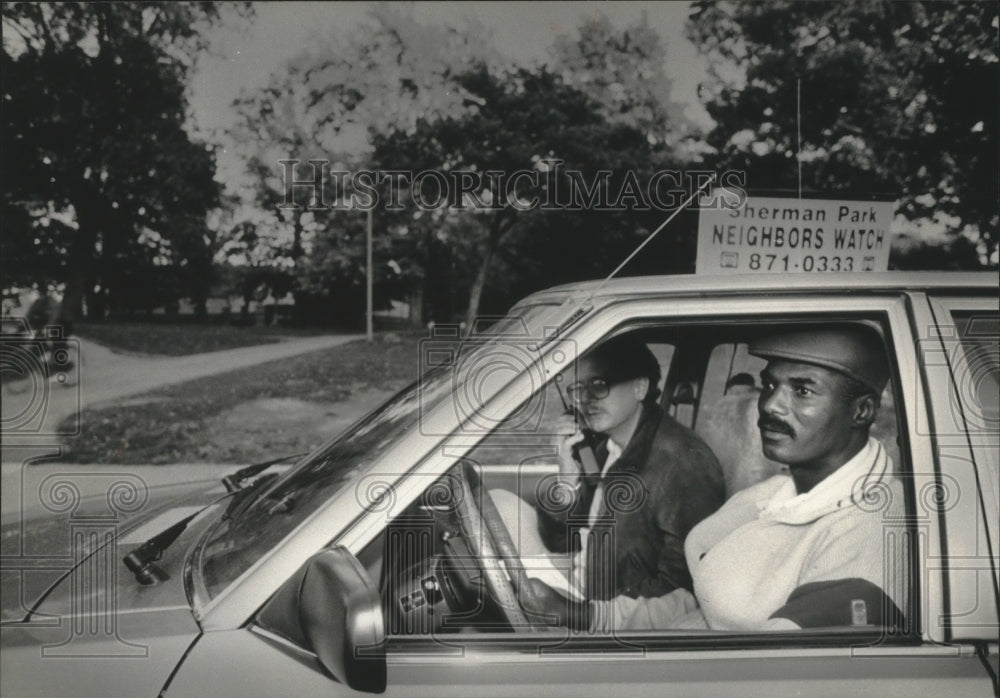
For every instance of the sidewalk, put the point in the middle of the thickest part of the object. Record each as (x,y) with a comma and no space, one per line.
(102,376)
(32,413)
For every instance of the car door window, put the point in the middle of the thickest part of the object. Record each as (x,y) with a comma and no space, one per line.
(960,360)
(431,582)
(976,367)
(423,546)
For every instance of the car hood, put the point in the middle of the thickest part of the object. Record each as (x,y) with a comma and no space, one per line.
(70,564)
(76,620)
(96,653)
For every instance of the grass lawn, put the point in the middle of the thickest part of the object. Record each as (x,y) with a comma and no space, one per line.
(175,424)
(180,339)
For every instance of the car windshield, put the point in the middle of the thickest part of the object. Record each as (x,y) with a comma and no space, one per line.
(236,543)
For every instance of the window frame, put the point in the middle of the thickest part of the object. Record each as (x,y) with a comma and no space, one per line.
(629,314)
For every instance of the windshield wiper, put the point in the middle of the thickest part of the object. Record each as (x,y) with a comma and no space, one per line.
(235,481)
(245,495)
(141,561)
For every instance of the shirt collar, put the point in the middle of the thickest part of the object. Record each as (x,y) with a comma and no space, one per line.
(614,452)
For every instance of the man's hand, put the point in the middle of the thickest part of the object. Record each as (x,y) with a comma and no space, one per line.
(569,435)
(548,601)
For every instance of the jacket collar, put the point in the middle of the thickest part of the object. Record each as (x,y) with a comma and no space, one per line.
(633,457)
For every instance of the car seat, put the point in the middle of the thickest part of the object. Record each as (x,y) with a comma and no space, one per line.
(729,427)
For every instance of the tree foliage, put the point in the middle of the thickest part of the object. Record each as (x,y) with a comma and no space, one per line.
(387,74)
(522,121)
(896,97)
(406,91)
(272,126)
(108,180)
(624,71)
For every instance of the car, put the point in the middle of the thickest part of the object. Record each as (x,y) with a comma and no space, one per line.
(374,564)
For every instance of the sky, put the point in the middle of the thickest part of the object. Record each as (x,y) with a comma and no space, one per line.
(243,57)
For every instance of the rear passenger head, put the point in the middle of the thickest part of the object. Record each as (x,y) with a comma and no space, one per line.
(626,357)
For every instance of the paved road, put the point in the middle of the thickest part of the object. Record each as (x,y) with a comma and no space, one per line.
(32,412)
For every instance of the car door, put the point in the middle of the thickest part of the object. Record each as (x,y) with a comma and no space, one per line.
(960,358)
(248,660)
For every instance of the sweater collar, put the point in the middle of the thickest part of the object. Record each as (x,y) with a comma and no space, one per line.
(856,483)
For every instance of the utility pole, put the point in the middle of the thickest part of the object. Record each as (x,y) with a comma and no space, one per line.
(368,253)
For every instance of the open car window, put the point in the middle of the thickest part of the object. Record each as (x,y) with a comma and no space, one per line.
(441,578)
(236,543)
(432,579)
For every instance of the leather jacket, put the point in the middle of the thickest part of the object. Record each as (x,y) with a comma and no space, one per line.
(665,481)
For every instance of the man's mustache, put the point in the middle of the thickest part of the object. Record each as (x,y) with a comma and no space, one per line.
(771,424)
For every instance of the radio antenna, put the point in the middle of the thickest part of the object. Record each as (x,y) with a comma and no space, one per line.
(650,237)
(798,129)
(583,307)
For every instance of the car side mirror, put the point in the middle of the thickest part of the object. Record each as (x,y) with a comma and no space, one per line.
(341,616)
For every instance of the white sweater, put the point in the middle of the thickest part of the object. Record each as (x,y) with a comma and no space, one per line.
(846,536)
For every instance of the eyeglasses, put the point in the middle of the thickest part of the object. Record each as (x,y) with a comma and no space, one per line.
(595,388)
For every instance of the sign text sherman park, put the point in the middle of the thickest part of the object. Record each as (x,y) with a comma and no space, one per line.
(806,235)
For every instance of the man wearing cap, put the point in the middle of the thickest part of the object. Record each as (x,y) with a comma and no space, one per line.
(811,548)
(651,480)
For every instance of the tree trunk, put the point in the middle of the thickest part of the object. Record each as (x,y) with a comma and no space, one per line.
(477,288)
(80,261)
(498,227)
(416,315)
(96,304)
(297,238)
(418,286)
(199,285)
(200,303)
(245,310)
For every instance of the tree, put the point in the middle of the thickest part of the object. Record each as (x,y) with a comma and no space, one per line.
(523,121)
(896,97)
(94,110)
(624,72)
(390,73)
(956,254)
(254,266)
(279,123)
(405,91)
(387,74)
(272,127)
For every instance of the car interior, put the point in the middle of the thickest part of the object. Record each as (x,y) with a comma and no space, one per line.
(447,563)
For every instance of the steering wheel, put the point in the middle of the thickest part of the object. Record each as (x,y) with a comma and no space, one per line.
(491,543)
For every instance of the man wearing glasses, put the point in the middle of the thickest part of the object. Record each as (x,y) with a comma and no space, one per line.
(653,479)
